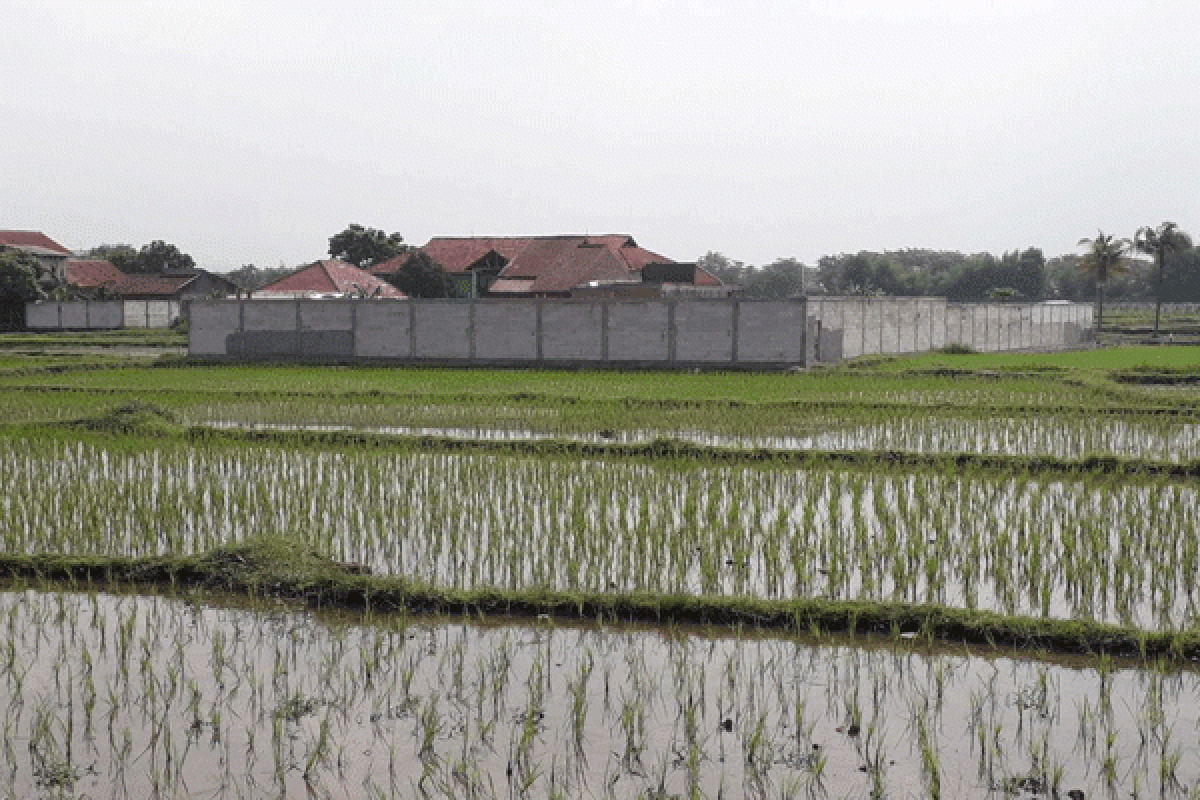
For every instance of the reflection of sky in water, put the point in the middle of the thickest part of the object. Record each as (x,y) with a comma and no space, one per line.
(1060,437)
(172,697)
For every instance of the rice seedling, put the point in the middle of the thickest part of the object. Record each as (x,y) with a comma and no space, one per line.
(333,715)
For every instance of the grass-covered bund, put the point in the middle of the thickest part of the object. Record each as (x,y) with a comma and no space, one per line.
(1014,498)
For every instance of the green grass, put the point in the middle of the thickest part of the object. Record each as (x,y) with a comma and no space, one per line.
(129,337)
(1095,362)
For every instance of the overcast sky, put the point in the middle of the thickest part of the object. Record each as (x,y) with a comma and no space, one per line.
(250,132)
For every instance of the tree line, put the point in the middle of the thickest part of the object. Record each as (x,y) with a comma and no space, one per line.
(1172,275)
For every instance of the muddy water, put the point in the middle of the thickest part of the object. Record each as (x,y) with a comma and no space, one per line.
(110,696)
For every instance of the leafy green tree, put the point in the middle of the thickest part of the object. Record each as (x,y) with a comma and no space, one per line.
(1105,256)
(19,276)
(121,256)
(726,270)
(421,276)
(365,247)
(158,256)
(1160,242)
(249,277)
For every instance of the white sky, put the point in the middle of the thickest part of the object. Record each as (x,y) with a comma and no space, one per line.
(250,132)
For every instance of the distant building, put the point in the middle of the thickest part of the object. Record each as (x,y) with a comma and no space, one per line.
(329,278)
(50,253)
(91,274)
(542,266)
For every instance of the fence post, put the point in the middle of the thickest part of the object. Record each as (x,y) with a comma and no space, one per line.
(537,326)
(735,321)
(804,332)
(471,329)
(604,330)
(412,328)
(672,332)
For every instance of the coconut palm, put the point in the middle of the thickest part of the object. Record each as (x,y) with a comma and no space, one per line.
(1159,242)
(1104,256)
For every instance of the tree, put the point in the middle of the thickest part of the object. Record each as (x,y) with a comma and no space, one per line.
(1104,257)
(158,256)
(249,277)
(1160,242)
(726,270)
(365,247)
(121,256)
(421,276)
(19,276)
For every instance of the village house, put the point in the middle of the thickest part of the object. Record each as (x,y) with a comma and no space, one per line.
(549,266)
(329,278)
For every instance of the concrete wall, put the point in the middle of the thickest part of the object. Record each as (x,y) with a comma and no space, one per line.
(551,332)
(150,313)
(854,326)
(75,315)
(658,332)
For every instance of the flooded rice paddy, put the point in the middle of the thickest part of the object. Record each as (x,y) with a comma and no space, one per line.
(1060,436)
(1012,543)
(121,696)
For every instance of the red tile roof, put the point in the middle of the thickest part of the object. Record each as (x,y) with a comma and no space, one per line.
(90,273)
(554,264)
(331,277)
(456,253)
(32,239)
(389,267)
(706,278)
(135,286)
(558,263)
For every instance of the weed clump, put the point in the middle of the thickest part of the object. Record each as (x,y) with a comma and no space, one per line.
(270,565)
(132,417)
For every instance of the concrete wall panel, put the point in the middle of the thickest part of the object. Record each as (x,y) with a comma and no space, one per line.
(571,331)
(74,316)
(637,331)
(443,329)
(212,324)
(505,331)
(771,331)
(269,315)
(327,315)
(853,336)
(158,314)
(39,316)
(703,331)
(382,329)
(106,315)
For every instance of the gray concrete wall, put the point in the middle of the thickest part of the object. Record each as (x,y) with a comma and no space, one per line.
(211,327)
(572,331)
(74,315)
(150,313)
(867,326)
(771,332)
(704,332)
(643,332)
(442,329)
(638,331)
(505,331)
(383,329)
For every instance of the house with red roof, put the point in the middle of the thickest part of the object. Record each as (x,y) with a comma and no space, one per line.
(329,278)
(91,273)
(536,266)
(49,252)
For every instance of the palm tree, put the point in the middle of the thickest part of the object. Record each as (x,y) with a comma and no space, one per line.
(1159,242)
(1104,257)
